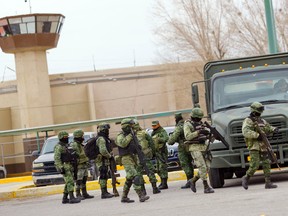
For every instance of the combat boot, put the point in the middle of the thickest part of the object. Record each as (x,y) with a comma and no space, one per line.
(207,188)
(269,184)
(65,198)
(188,183)
(78,194)
(245,181)
(72,199)
(143,189)
(105,194)
(193,183)
(142,197)
(85,194)
(125,198)
(155,189)
(163,184)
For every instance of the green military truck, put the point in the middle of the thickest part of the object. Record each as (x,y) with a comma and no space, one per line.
(230,88)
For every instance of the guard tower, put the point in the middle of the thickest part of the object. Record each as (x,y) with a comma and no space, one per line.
(28,37)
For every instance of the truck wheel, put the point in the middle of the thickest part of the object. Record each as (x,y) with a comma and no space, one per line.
(240,173)
(216,177)
(2,175)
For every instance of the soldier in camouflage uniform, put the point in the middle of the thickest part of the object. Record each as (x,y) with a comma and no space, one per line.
(184,155)
(82,165)
(103,159)
(160,137)
(147,146)
(258,152)
(63,165)
(197,137)
(130,161)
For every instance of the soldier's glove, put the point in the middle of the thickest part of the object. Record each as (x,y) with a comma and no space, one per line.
(62,170)
(276,130)
(204,132)
(259,138)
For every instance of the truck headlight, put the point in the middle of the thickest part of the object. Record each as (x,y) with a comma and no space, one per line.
(37,165)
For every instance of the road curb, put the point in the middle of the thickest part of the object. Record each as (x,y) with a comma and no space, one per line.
(32,191)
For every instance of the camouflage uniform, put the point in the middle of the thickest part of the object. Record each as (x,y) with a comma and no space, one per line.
(82,165)
(258,152)
(130,161)
(160,137)
(65,168)
(197,139)
(147,147)
(103,159)
(184,155)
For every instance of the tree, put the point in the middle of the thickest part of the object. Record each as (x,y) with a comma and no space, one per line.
(192,29)
(213,30)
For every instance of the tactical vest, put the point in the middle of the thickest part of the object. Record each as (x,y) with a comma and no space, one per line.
(128,150)
(197,127)
(69,155)
(260,122)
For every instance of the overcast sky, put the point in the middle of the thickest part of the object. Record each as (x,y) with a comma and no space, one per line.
(101,33)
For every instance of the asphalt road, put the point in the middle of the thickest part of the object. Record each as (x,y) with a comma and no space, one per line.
(229,200)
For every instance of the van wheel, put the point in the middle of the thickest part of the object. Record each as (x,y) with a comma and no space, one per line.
(216,177)
(2,175)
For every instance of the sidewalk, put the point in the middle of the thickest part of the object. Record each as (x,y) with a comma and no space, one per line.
(21,187)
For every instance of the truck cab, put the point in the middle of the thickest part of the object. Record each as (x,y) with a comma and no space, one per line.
(231,86)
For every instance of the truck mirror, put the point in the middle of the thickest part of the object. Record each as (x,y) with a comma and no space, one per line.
(195,94)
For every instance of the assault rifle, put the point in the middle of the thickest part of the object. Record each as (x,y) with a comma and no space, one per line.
(140,154)
(113,169)
(267,144)
(216,134)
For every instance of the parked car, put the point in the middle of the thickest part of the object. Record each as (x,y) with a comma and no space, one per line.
(3,172)
(43,168)
(173,160)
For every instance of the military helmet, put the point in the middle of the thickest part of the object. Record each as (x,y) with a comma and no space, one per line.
(197,113)
(62,134)
(103,126)
(126,121)
(78,133)
(257,107)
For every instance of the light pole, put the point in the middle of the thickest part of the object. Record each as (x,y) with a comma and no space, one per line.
(271,30)
(30,8)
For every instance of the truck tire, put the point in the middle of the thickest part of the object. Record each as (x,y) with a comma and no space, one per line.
(240,173)
(216,177)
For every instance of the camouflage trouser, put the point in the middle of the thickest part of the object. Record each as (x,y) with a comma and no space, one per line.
(81,173)
(185,159)
(201,163)
(151,168)
(69,182)
(255,158)
(161,164)
(130,166)
(104,174)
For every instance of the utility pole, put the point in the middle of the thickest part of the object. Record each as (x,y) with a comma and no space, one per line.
(30,8)
(271,30)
